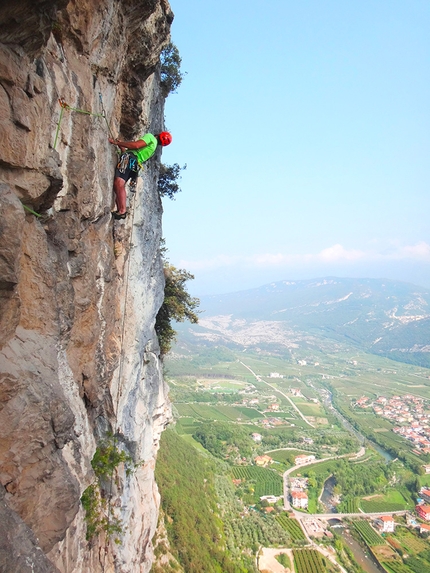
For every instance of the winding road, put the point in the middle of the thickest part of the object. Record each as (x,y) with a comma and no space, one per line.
(260,379)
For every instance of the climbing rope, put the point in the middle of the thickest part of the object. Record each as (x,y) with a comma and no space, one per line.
(104,115)
(66,106)
(119,391)
(31,210)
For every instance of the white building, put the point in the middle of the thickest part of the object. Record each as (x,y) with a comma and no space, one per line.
(299,499)
(385,524)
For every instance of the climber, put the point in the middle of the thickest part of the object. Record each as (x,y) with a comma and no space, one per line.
(133,155)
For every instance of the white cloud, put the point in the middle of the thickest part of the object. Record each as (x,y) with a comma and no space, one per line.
(420,251)
(338,253)
(334,254)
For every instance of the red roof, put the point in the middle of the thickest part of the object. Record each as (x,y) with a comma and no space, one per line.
(299,495)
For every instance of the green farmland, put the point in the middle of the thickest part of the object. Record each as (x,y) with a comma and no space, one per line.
(223,413)
(267,482)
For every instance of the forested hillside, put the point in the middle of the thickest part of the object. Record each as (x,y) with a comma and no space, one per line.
(186,480)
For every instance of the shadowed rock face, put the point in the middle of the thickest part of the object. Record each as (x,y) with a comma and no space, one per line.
(78,294)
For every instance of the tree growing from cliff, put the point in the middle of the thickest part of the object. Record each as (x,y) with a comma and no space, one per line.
(178,305)
(168,180)
(170,69)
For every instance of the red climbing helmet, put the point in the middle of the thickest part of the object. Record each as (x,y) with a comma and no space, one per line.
(165,138)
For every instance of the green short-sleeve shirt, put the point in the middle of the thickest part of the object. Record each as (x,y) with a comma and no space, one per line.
(145,153)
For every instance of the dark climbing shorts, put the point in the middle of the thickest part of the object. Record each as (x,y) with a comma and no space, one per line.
(127,167)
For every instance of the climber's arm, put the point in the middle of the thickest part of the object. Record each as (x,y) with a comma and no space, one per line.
(128,144)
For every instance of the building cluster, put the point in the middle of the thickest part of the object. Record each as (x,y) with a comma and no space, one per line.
(408,412)
(299,496)
(304,459)
(272,422)
(423,507)
(296,392)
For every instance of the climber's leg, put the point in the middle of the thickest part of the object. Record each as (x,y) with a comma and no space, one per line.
(120,195)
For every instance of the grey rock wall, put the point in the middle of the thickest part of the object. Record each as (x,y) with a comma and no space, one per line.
(79,293)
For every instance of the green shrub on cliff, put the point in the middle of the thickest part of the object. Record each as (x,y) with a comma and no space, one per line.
(177,305)
(170,69)
(168,180)
(99,513)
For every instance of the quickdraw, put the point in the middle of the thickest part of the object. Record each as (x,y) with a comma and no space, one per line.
(65,106)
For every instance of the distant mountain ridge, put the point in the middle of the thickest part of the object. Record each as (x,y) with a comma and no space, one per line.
(381,316)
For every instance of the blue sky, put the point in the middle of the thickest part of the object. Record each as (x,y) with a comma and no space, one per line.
(305,127)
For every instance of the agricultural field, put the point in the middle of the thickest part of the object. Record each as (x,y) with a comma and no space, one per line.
(319,468)
(309,408)
(308,561)
(221,412)
(351,506)
(221,384)
(286,457)
(186,425)
(393,500)
(267,482)
(369,535)
(411,543)
(396,567)
(292,526)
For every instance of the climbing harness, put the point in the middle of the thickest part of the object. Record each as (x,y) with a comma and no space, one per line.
(67,107)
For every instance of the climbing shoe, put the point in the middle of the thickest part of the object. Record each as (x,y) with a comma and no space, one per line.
(117,215)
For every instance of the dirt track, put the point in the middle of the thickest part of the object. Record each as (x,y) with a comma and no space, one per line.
(268,562)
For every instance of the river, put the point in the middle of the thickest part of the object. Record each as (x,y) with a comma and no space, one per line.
(365,560)
(327,495)
(346,424)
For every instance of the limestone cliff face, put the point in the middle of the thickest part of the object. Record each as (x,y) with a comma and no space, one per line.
(79,293)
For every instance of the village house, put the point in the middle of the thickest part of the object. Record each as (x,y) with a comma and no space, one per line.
(425,494)
(385,524)
(426,469)
(269,498)
(275,375)
(299,499)
(424,528)
(263,461)
(273,407)
(304,459)
(257,437)
(423,511)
